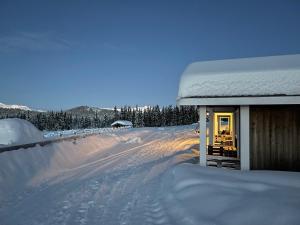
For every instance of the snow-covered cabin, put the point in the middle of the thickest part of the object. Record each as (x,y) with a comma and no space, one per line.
(253,109)
(121,123)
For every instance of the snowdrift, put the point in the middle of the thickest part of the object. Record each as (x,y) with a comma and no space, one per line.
(197,195)
(17,131)
(27,168)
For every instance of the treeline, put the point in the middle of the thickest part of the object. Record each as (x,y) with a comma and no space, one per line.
(158,117)
(62,120)
(149,117)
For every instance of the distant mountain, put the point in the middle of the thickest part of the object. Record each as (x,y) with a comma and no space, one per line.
(16,111)
(20,107)
(91,111)
(83,109)
(80,111)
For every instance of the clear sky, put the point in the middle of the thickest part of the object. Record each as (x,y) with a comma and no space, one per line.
(60,54)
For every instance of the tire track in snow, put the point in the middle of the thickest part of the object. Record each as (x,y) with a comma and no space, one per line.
(155,214)
(112,157)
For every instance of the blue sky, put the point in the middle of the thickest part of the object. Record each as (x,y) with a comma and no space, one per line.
(60,54)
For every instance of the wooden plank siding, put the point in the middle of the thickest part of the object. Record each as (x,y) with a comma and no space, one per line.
(275,137)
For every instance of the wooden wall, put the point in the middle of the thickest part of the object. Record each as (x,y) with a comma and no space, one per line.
(275,137)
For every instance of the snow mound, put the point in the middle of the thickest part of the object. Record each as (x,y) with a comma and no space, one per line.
(216,196)
(17,131)
(259,76)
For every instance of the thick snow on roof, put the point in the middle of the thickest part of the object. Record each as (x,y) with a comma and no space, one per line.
(260,76)
(17,131)
(122,122)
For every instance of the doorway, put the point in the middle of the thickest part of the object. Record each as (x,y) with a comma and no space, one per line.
(223,132)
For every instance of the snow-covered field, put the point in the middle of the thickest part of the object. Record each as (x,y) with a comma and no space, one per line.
(133,177)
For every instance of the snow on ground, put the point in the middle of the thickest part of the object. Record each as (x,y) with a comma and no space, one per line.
(110,178)
(217,196)
(17,131)
(131,176)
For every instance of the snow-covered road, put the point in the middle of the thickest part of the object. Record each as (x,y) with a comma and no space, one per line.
(111,178)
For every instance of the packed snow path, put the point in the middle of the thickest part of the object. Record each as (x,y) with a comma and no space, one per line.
(111,178)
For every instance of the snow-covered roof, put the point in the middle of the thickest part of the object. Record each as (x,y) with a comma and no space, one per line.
(259,76)
(122,122)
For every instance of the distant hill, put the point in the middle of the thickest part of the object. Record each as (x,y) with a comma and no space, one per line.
(21,111)
(20,107)
(80,111)
(15,110)
(91,111)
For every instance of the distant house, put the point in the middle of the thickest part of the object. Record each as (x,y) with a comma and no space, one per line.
(121,123)
(252,106)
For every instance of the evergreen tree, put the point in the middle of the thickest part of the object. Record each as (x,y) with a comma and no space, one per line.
(140,119)
(163,117)
(87,122)
(122,114)
(156,115)
(105,121)
(116,114)
(97,122)
(133,116)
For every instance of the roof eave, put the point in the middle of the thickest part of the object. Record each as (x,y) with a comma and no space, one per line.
(240,100)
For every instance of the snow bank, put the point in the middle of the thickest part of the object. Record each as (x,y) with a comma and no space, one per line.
(69,133)
(273,75)
(196,195)
(32,166)
(18,131)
